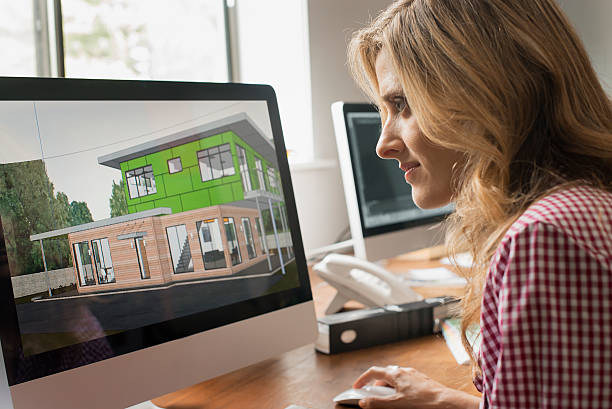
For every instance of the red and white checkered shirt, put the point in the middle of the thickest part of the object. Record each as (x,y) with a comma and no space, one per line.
(546,319)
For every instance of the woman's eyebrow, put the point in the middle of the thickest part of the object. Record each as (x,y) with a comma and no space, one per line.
(392,96)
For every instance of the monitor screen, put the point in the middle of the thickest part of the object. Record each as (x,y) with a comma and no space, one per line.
(384,197)
(136,213)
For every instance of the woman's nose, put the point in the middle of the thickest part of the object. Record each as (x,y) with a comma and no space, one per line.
(389,144)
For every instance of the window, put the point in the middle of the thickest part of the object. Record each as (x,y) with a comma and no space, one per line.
(20,39)
(178,240)
(181,40)
(272,179)
(175,165)
(141,182)
(250,243)
(244,169)
(143,262)
(232,240)
(285,221)
(211,244)
(82,261)
(260,174)
(103,261)
(287,71)
(260,234)
(216,162)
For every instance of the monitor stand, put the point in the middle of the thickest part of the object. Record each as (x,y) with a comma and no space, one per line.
(145,405)
(5,393)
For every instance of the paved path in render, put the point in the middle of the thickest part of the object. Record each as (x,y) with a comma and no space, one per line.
(122,311)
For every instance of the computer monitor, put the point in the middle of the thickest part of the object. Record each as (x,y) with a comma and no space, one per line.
(384,220)
(148,239)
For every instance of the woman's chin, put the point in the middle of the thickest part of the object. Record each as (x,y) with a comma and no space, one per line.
(429,200)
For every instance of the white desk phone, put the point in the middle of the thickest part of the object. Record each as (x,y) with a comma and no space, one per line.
(360,280)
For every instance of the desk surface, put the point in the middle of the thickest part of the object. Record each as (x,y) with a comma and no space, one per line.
(307,378)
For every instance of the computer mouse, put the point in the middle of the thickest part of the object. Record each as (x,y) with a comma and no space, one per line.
(353,396)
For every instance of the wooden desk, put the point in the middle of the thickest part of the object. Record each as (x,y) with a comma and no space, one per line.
(307,378)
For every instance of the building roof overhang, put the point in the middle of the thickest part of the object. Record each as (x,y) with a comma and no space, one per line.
(160,211)
(241,124)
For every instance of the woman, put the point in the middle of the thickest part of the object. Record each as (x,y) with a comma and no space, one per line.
(493,105)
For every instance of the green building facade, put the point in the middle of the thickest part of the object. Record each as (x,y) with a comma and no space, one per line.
(205,172)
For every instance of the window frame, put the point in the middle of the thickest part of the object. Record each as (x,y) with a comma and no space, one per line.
(142,258)
(245,173)
(212,221)
(180,162)
(272,181)
(208,153)
(76,247)
(138,174)
(249,239)
(190,266)
(102,260)
(229,221)
(260,173)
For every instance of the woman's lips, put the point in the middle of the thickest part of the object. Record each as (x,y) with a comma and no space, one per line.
(409,168)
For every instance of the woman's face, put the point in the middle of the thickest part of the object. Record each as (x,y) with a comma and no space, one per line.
(428,168)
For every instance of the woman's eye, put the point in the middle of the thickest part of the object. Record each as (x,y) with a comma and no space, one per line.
(399,104)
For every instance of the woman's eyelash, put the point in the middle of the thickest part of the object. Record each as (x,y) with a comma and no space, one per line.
(399,103)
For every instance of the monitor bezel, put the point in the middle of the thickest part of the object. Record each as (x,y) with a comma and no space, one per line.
(356,107)
(61,89)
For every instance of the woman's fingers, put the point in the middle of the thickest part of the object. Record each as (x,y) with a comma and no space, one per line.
(377,373)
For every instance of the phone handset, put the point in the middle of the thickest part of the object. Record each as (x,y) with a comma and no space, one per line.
(360,280)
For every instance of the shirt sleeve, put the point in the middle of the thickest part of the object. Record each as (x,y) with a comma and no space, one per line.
(555,324)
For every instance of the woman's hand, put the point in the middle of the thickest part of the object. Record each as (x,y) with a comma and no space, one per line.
(414,390)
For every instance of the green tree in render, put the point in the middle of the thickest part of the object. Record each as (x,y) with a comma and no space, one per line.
(79,213)
(117,201)
(28,206)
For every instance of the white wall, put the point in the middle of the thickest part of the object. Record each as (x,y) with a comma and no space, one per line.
(318,187)
(591,19)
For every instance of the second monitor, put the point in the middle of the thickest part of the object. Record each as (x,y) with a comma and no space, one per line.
(384,220)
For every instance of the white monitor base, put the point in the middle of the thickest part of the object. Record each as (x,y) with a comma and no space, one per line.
(145,405)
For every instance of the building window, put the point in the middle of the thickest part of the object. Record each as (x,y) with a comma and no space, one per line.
(260,234)
(82,261)
(103,261)
(244,169)
(272,179)
(232,240)
(178,240)
(211,244)
(260,174)
(175,165)
(216,162)
(248,234)
(143,261)
(141,182)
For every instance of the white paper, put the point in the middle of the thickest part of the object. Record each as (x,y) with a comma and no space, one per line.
(462,259)
(433,276)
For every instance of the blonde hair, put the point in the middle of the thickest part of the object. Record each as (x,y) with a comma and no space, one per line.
(509,84)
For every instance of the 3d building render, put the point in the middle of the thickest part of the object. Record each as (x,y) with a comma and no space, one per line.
(195,201)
